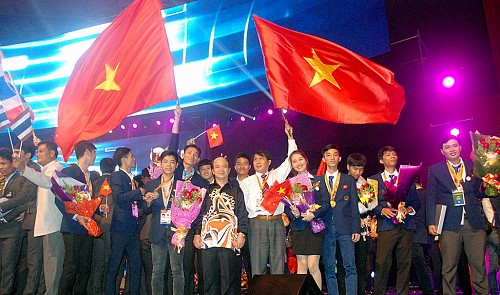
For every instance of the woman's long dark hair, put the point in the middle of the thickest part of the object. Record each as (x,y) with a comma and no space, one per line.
(303,154)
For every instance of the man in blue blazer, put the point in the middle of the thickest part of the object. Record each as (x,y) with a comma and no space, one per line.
(161,232)
(124,225)
(393,237)
(338,198)
(451,182)
(186,171)
(77,242)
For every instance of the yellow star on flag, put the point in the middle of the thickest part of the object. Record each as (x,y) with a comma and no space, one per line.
(109,83)
(281,191)
(213,135)
(323,71)
(106,187)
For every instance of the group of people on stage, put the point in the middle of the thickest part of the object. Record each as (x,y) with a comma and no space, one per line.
(45,250)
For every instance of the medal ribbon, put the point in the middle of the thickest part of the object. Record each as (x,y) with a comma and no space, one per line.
(335,187)
(457,177)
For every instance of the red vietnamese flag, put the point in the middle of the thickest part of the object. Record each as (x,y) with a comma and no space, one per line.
(214,136)
(273,196)
(105,189)
(128,68)
(322,79)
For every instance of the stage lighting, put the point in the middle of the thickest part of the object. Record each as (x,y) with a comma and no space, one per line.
(134,125)
(455,132)
(158,122)
(270,111)
(214,125)
(122,126)
(242,118)
(110,131)
(448,82)
(284,111)
(171,120)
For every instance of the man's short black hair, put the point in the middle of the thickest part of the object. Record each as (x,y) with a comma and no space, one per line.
(263,153)
(445,139)
(329,147)
(206,162)
(169,153)
(356,159)
(82,146)
(193,146)
(51,146)
(107,165)
(6,154)
(386,148)
(119,154)
(242,155)
(28,147)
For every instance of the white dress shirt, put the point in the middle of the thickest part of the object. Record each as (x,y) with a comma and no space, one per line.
(48,217)
(251,188)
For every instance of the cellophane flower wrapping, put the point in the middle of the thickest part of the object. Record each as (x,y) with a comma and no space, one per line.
(396,191)
(487,161)
(302,197)
(77,200)
(185,208)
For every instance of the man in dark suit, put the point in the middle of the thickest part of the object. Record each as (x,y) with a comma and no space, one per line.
(17,192)
(393,237)
(124,225)
(100,255)
(452,183)
(161,232)
(186,171)
(77,242)
(34,281)
(339,210)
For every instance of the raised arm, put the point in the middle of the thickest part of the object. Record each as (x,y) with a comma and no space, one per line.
(174,139)
(284,169)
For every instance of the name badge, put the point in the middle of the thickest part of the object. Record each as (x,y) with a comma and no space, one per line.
(165,217)
(135,210)
(458,197)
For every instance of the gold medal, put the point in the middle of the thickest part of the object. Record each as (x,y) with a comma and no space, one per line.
(333,203)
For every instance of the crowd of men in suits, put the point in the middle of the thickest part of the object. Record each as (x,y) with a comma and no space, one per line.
(59,257)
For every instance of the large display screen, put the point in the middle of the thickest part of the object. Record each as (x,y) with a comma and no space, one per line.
(215,47)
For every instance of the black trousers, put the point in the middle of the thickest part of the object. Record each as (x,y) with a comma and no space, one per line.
(224,276)
(77,264)
(420,257)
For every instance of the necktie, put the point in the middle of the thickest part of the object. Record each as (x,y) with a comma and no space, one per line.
(330,180)
(265,186)
(456,168)
(391,178)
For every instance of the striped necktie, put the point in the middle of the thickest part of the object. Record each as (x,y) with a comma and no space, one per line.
(265,186)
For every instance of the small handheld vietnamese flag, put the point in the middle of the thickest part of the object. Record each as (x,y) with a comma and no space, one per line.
(105,189)
(214,136)
(274,194)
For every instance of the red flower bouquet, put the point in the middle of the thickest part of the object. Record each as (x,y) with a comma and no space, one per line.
(487,161)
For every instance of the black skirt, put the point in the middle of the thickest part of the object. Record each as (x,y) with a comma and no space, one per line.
(305,242)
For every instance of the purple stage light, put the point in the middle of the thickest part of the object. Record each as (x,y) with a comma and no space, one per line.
(122,126)
(134,125)
(158,122)
(455,132)
(270,111)
(243,119)
(171,120)
(448,82)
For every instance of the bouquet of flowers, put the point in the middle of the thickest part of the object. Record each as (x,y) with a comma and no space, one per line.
(185,209)
(302,197)
(396,190)
(487,161)
(368,200)
(77,200)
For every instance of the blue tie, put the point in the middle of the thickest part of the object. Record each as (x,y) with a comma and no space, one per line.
(392,178)
(330,180)
(456,168)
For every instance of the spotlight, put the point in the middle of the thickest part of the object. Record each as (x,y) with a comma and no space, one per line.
(448,82)
(243,119)
(158,122)
(171,120)
(270,111)
(110,131)
(214,125)
(134,125)
(455,132)
(284,111)
(122,126)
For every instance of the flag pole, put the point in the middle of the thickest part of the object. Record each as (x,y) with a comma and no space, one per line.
(286,121)
(200,134)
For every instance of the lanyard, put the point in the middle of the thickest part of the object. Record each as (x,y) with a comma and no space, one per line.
(166,195)
(261,184)
(335,186)
(7,180)
(457,177)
